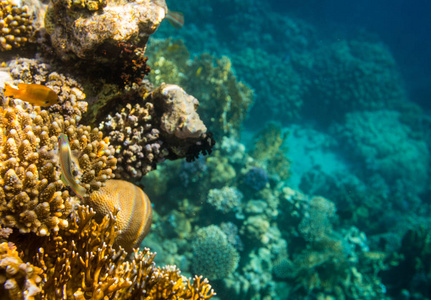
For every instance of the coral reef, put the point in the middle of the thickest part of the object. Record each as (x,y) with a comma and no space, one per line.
(396,155)
(33,198)
(164,125)
(213,255)
(135,212)
(350,75)
(91,32)
(81,262)
(15,25)
(19,280)
(224,100)
(70,92)
(225,200)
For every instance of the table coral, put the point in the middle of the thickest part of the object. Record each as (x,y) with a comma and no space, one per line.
(15,25)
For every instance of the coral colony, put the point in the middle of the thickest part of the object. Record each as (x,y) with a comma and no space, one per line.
(112,184)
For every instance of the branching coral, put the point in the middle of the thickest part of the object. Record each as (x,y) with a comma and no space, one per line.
(18,280)
(82,263)
(32,196)
(15,25)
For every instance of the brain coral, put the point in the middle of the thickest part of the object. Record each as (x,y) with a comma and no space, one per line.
(213,255)
(394,153)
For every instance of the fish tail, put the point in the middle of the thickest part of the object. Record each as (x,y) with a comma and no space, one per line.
(10,91)
(176,19)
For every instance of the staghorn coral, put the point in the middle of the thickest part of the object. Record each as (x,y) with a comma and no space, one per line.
(164,125)
(15,25)
(213,255)
(82,263)
(135,215)
(32,196)
(18,280)
(92,32)
(224,100)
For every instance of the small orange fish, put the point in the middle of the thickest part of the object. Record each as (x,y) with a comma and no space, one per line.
(176,19)
(35,94)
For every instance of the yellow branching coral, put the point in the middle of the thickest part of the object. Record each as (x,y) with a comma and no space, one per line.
(82,263)
(32,196)
(15,25)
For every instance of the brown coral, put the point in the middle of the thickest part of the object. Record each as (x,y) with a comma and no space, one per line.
(70,92)
(32,197)
(15,25)
(18,280)
(163,125)
(81,263)
(135,215)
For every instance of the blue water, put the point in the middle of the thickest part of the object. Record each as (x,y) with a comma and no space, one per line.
(348,83)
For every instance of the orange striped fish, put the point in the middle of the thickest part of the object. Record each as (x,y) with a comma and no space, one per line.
(176,19)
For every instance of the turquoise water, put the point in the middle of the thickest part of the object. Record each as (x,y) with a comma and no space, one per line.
(323,191)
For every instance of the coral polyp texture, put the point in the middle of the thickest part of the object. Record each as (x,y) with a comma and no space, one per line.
(18,278)
(70,92)
(32,196)
(81,28)
(15,25)
(163,125)
(213,255)
(135,215)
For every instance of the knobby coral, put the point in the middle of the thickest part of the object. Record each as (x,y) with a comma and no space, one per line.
(162,125)
(32,196)
(15,25)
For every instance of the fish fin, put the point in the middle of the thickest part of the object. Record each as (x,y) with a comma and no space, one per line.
(63,180)
(176,19)
(22,86)
(9,91)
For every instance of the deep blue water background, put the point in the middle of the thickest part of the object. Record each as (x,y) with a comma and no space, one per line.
(405,26)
